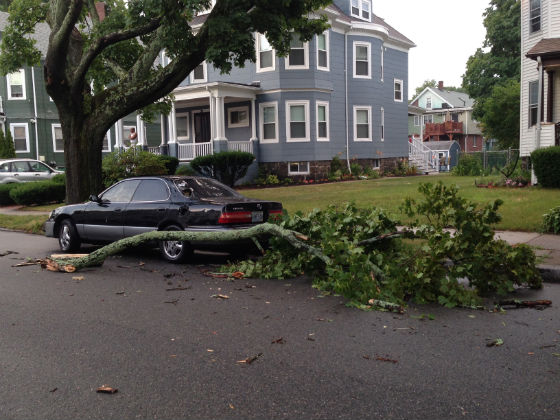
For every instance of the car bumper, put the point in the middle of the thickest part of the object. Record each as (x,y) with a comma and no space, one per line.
(49,228)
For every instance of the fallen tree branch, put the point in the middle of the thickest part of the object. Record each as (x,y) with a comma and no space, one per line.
(524,303)
(97,257)
(382,237)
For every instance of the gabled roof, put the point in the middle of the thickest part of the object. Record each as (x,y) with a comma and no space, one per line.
(453,98)
(41,35)
(439,145)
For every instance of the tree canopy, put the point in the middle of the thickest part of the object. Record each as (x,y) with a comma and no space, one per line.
(493,70)
(98,70)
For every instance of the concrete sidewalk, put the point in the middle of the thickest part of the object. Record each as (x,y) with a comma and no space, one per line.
(16,211)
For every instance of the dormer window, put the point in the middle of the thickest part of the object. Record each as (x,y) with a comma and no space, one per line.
(361,9)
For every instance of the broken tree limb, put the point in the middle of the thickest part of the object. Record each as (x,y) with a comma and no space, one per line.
(97,257)
(388,306)
(524,303)
(382,237)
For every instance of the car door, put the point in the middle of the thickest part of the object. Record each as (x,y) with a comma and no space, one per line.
(40,171)
(22,171)
(148,207)
(103,219)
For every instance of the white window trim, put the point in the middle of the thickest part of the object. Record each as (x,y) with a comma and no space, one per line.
(188,136)
(289,138)
(376,163)
(362,44)
(382,127)
(401,83)
(241,124)
(417,120)
(328,50)
(258,49)
(108,149)
(428,102)
(299,172)
(205,71)
(26,126)
(305,65)
(327,116)
(23,87)
(53,128)
(362,108)
(261,122)
(361,7)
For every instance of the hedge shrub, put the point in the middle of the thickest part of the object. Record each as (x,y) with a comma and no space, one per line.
(129,163)
(226,167)
(59,178)
(546,164)
(40,192)
(468,165)
(185,170)
(170,163)
(5,199)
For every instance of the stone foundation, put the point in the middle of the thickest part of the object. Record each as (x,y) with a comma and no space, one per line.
(320,169)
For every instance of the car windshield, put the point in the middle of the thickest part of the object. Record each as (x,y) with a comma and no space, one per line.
(204,188)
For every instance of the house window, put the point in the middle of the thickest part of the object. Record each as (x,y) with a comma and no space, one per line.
(417,119)
(535,15)
(382,124)
(428,119)
(106,142)
(58,141)
(323,51)
(474,142)
(127,133)
(362,123)
(361,9)
(297,120)
(16,84)
(182,126)
(199,74)
(398,90)
(533,102)
(20,134)
(429,102)
(298,58)
(382,61)
(265,54)
(455,117)
(269,122)
(376,164)
(322,121)
(298,168)
(238,117)
(362,64)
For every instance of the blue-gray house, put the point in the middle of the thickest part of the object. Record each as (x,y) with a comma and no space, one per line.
(342,94)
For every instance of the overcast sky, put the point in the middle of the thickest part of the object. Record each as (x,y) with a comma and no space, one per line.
(446,33)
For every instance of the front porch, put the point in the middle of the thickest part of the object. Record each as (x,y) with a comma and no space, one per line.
(210,118)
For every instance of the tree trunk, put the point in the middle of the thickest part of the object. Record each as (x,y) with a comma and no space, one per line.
(82,156)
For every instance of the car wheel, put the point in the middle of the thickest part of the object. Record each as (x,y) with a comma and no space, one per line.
(68,238)
(175,251)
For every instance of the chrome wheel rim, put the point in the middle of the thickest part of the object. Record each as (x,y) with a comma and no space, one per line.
(65,237)
(172,248)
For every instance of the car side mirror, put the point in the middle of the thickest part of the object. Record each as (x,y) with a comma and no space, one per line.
(94,198)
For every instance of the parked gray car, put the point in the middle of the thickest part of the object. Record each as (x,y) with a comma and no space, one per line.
(25,170)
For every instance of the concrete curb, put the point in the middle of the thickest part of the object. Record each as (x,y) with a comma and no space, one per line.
(550,273)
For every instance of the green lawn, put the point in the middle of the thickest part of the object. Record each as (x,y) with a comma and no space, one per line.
(522,209)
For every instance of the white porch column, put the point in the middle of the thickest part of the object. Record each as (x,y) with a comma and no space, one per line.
(212,117)
(220,119)
(140,131)
(162,129)
(172,125)
(118,134)
(253,121)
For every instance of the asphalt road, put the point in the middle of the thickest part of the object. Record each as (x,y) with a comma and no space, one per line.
(175,353)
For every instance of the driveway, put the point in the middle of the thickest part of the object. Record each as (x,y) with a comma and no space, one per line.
(175,349)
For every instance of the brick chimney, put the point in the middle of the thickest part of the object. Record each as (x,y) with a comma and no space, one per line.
(101,8)
(440,85)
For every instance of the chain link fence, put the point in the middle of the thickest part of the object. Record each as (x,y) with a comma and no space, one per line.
(494,160)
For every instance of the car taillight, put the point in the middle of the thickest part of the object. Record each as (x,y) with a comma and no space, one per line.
(235,217)
(275,214)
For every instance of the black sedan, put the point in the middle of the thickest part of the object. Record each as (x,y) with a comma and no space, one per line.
(138,205)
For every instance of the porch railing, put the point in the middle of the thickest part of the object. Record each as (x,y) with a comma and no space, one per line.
(192,150)
(419,152)
(155,150)
(240,146)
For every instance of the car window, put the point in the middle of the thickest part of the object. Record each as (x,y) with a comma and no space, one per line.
(205,188)
(5,167)
(20,166)
(151,190)
(39,167)
(122,192)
